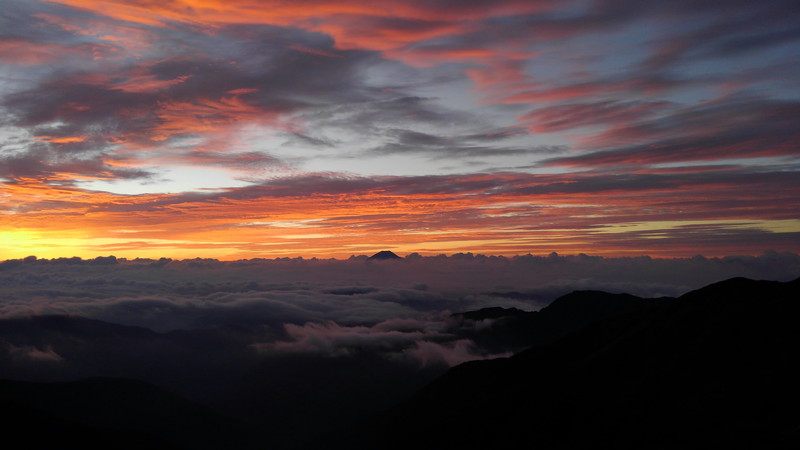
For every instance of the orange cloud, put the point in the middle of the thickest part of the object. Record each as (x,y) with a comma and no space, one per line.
(353,24)
(342,217)
(61,140)
(283,13)
(148,83)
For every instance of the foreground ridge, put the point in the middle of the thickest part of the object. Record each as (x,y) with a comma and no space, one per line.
(712,367)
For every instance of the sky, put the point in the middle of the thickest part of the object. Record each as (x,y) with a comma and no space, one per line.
(242,128)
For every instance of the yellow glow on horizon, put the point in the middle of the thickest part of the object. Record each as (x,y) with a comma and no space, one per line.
(21,243)
(238,242)
(16,243)
(774,226)
(51,220)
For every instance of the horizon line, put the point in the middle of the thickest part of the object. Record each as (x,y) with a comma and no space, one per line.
(111,259)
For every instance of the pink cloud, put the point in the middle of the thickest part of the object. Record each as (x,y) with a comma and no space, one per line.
(33,353)
(331,339)
(452,353)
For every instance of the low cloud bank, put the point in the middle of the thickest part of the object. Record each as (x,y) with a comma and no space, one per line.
(400,309)
(428,341)
(165,294)
(290,341)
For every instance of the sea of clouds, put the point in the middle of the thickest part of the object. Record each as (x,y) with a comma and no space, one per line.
(402,306)
(301,342)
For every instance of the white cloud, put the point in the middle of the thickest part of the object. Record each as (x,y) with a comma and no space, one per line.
(33,353)
(451,353)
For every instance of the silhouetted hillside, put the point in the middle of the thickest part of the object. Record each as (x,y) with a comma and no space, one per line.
(59,325)
(296,397)
(114,413)
(38,429)
(515,330)
(711,369)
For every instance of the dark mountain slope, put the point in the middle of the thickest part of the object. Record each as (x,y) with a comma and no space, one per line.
(295,398)
(199,363)
(114,413)
(49,327)
(516,330)
(712,368)
(39,429)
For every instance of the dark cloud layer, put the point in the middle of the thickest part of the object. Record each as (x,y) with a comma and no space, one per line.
(291,343)
(197,326)
(166,294)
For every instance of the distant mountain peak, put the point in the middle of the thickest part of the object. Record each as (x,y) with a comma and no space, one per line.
(384,254)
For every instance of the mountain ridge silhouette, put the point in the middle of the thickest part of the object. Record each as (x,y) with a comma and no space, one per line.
(710,368)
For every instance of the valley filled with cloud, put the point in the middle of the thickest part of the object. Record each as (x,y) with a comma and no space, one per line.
(308,344)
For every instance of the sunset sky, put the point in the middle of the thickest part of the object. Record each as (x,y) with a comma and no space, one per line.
(247,128)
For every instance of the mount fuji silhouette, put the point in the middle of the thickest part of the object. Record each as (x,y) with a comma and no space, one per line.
(384,254)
